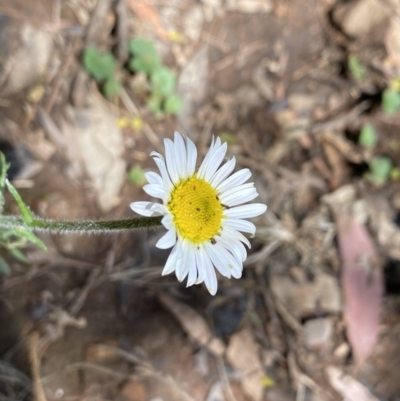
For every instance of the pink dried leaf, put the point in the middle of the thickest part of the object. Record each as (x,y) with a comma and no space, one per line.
(362,286)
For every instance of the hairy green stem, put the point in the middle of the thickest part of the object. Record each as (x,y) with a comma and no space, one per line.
(81,227)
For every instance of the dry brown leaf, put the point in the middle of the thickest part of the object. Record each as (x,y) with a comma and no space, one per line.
(243,354)
(360,18)
(349,388)
(149,13)
(343,146)
(249,6)
(193,324)
(305,299)
(392,42)
(388,234)
(337,164)
(362,286)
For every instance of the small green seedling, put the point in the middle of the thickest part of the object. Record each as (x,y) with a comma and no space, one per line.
(162,97)
(145,57)
(154,103)
(228,137)
(14,238)
(391,101)
(379,170)
(136,176)
(395,174)
(111,87)
(356,68)
(173,104)
(163,81)
(367,138)
(101,66)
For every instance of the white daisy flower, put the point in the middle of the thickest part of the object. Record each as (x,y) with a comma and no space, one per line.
(201,211)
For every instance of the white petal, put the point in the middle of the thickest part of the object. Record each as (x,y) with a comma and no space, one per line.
(246,211)
(180,155)
(210,278)
(236,189)
(213,148)
(153,178)
(235,266)
(239,198)
(170,158)
(240,225)
(179,259)
(182,266)
(228,261)
(168,240)
(234,180)
(159,160)
(236,248)
(217,259)
(144,209)
(167,221)
(215,161)
(223,172)
(234,235)
(192,276)
(154,190)
(171,261)
(191,156)
(158,208)
(200,270)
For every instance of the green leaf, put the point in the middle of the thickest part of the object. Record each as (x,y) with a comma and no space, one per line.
(228,137)
(26,233)
(379,170)
(390,101)
(140,47)
(173,104)
(3,174)
(146,63)
(146,58)
(18,255)
(98,64)
(111,87)
(26,213)
(395,174)
(136,176)
(163,81)
(367,137)
(154,104)
(3,170)
(356,68)
(4,267)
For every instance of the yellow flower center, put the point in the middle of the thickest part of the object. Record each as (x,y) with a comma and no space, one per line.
(196,210)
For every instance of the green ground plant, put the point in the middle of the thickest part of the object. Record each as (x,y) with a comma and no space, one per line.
(368,137)
(162,98)
(391,100)
(390,103)
(356,67)
(102,67)
(381,168)
(136,176)
(14,237)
